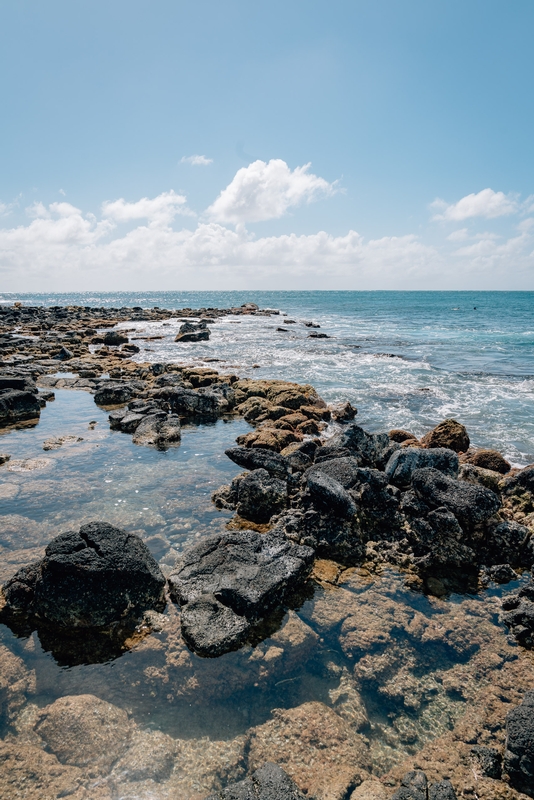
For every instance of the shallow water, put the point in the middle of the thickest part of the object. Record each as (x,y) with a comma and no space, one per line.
(395,666)
(405,359)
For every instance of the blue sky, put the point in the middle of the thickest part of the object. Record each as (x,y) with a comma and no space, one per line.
(394,105)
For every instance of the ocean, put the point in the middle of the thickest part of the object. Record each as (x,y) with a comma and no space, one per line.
(405,359)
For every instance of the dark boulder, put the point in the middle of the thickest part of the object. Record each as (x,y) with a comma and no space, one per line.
(469,503)
(450,434)
(114,394)
(488,761)
(269,782)
(22,383)
(191,403)
(438,543)
(519,750)
(343,412)
(328,495)
(92,578)
(442,790)
(250,574)
(343,470)
(521,482)
(371,449)
(211,628)
(327,452)
(378,502)
(115,338)
(403,463)
(155,430)
(519,614)
(260,496)
(16,406)
(507,542)
(259,458)
(193,332)
(414,786)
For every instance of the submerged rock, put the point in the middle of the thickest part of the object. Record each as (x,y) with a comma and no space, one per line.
(519,752)
(233,580)
(269,782)
(91,579)
(157,430)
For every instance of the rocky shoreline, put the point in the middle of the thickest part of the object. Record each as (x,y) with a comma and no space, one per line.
(320,498)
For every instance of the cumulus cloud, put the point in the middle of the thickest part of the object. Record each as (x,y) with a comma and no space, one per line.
(196,161)
(264,191)
(487,204)
(160,210)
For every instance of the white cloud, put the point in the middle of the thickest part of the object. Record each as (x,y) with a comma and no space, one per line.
(63,192)
(265,191)
(161,210)
(196,161)
(458,236)
(487,203)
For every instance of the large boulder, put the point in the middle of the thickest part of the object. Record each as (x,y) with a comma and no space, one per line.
(17,405)
(258,458)
(328,495)
(234,579)
(450,434)
(469,503)
(403,463)
(191,403)
(415,786)
(371,449)
(115,338)
(193,332)
(259,496)
(519,751)
(93,578)
(23,383)
(156,430)
(269,782)
(345,470)
(111,394)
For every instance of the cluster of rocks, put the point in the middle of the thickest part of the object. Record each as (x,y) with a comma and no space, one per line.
(19,400)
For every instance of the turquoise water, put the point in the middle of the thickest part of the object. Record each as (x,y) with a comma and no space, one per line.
(405,359)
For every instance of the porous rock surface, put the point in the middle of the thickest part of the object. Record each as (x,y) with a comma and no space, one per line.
(228,581)
(92,578)
(268,782)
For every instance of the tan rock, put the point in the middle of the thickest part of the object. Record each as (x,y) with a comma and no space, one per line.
(84,731)
(315,746)
(29,773)
(370,790)
(150,757)
(448,433)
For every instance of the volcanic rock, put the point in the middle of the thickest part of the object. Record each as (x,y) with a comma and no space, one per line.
(403,463)
(269,782)
(469,503)
(449,434)
(16,405)
(519,753)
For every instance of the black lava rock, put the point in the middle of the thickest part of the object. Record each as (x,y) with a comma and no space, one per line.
(92,578)
(405,461)
(248,573)
(114,393)
(260,496)
(269,782)
(469,503)
(328,495)
(115,338)
(252,458)
(519,751)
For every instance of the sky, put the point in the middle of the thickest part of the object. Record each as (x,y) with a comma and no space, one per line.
(359,144)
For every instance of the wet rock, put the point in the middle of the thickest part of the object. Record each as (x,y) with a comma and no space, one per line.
(414,786)
(115,338)
(157,430)
(443,790)
(519,614)
(260,496)
(316,747)
(30,773)
(211,628)
(371,449)
(55,442)
(487,459)
(328,495)
(449,434)
(500,573)
(470,504)
(193,332)
(518,760)
(64,354)
(21,383)
(344,470)
(330,535)
(257,458)
(114,394)
(150,756)
(343,412)
(191,403)
(84,731)
(268,782)
(488,761)
(522,481)
(249,574)
(399,435)
(370,790)
(93,578)
(4,458)
(127,423)
(403,463)
(269,438)
(16,406)
(507,542)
